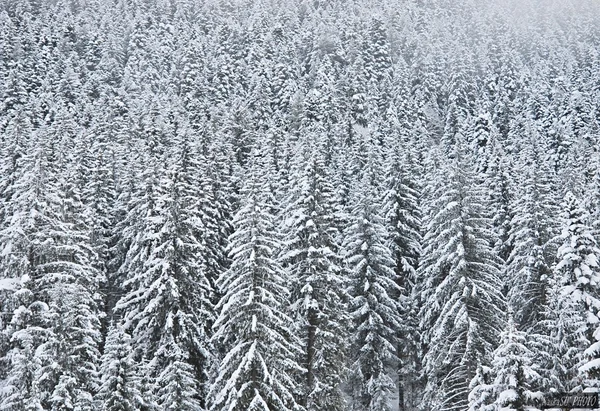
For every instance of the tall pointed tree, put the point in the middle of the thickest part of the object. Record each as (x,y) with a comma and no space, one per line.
(572,313)
(403,214)
(513,375)
(461,297)
(375,311)
(313,256)
(119,386)
(51,252)
(257,367)
(531,235)
(167,299)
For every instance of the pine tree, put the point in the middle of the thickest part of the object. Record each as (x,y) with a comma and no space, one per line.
(401,205)
(375,313)
(74,347)
(118,390)
(577,261)
(97,176)
(177,385)
(481,395)
(573,311)
(28,330)
(73,283)
(591,369)
(561,341)
(30,325)
(514,366)
(51,252)
(500,198)
(17,132)
(168,295)
(313,256)
(461,297)
(531,235)
(256,370)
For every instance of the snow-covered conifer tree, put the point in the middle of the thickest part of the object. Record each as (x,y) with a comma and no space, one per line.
(572,313)
(462,303)
(373,291)
(176,385)
(403,215)
(532,230)
(51,252)
(313,257)
(481,390)
(257,367)
(119,387)
(27,331)
(514,371)
(167,299)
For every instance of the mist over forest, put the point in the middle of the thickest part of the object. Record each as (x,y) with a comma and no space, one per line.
(298,205)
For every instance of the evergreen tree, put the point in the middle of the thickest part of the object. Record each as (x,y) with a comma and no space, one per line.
(30,325)
(257,368)
(401,205)
(531,235)
(51,252)
(28,330)
(313,257)
(96,172)
(168,295)
(375,312)
(177,385)
(573,311)
(118,390)
(461,297)
(577,261)
(514,373)
(481,395)
(499,183)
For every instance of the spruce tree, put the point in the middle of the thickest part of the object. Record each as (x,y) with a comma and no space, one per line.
(176,385)
(481,395)
(167,299)
(51,252)
(403,215)
(514,373)
(375,311)
(461,296)
(572,314)
(312,255)
(531,235)
(119,387)
(27,331)
(257,367)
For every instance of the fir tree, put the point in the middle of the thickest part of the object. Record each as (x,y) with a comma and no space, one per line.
(481,395)
(313,257)
(168,295)
(257,369)
(403,214)
(177,385)
(119,389)
(461,297)
(51,251)
(573,311)
(531,235)
(28,330)
(375,313)
(515,372)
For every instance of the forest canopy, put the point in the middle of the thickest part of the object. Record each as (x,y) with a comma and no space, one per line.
(298,205)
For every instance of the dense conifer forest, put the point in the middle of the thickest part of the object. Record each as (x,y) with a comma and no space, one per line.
(298,205)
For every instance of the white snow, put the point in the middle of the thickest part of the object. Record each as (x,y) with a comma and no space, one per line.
(9,284)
